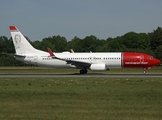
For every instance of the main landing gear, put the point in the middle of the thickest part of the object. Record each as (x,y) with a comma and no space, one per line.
(83,71)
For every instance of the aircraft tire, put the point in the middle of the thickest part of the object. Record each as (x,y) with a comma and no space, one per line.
(83,71)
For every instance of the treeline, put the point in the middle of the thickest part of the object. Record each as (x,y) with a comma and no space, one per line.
(150,43)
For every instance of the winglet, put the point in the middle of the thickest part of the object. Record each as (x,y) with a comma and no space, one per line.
(50,52)
(13,28)
(71,50)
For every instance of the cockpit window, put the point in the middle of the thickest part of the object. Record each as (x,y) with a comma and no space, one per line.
(150,57)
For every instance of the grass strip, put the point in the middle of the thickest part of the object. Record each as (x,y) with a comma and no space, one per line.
(80,98)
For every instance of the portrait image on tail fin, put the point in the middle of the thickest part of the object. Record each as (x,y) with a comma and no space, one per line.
(17,40)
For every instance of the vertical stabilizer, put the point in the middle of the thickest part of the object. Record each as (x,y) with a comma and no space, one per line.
(21,44)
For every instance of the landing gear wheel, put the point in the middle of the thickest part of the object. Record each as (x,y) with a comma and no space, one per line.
(83,71)
(144,71)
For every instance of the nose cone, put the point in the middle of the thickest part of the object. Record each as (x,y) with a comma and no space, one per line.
(157,62)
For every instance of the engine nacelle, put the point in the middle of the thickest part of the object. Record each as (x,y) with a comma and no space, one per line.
(99,67)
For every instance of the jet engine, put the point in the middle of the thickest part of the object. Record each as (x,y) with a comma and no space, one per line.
(99,67)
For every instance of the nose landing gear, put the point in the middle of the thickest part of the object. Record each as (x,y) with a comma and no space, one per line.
(144,70)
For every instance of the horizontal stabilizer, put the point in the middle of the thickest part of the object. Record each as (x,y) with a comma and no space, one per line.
(11,54)
(20,56)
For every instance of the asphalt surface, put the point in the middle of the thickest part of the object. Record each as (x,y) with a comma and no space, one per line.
(80,76)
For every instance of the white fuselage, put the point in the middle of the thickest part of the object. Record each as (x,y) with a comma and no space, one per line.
(112,60)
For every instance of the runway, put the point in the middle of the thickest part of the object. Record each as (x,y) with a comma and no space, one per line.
(80,76)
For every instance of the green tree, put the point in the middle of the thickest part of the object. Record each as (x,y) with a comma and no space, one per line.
(89,43)
(6,45)
(59,42)
(134,40)
(158,52)
(102,46)
(37,44)
(74,44)
(116,45)
(155,38)
(46,43)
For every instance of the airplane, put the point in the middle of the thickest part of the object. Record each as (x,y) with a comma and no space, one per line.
(97,61)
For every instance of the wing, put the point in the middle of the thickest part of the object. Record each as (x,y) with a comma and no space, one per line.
(78,64)
(11,54)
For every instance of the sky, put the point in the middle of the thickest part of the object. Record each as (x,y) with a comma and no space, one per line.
(38,19)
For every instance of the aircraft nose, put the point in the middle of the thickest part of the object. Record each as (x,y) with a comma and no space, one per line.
(157,62)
